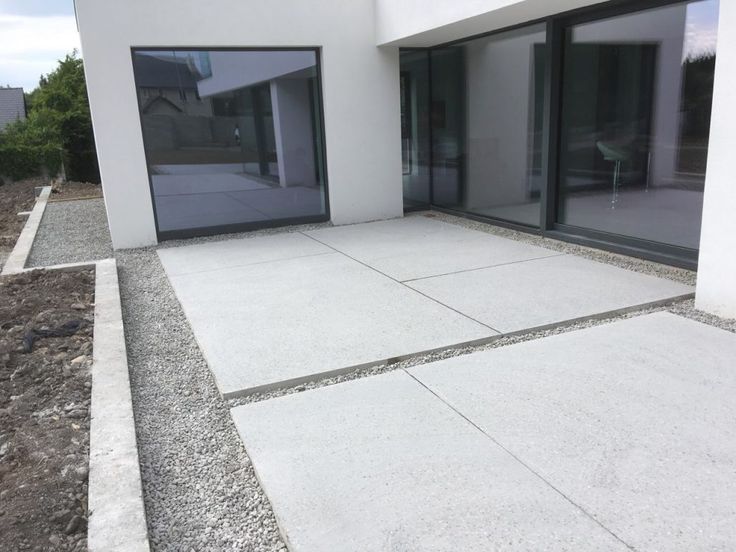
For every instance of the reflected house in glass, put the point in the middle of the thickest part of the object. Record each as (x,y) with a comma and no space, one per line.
(230,137)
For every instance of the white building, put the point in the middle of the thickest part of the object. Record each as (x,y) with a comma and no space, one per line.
(583,120)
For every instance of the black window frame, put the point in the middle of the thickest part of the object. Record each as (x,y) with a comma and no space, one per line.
(319,139)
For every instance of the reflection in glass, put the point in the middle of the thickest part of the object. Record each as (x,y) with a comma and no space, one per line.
(637,93)
(415,147)
(231,137)
(487,116)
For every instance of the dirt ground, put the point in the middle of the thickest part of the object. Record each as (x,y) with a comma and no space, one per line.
(75,190)
(15,198)
(44,409)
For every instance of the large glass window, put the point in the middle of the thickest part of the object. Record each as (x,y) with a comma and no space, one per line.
(636,103)
(233,139)
(487,120)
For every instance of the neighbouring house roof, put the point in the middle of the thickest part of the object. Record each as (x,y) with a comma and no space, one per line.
(12,106)
(162,72)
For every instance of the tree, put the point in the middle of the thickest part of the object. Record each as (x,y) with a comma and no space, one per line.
(59,118)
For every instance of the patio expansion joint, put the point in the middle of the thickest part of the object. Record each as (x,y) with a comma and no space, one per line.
(498,332)
(521,462)
(483,268)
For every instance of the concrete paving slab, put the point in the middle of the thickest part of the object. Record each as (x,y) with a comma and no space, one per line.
(381,464)
(418,247)
(224,254)
(635,421)
(544,292)
(285,320)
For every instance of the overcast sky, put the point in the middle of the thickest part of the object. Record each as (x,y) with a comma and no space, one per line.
(34,34)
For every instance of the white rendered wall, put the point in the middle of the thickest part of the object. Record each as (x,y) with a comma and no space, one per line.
(716,291)
(431,22)
(360,94)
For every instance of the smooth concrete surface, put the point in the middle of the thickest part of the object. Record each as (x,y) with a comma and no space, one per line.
(634,421)
(419,246)
(717,260)
(381,464)
(265,315)
(16,261)
(117,517)
(220,255)
(543,292)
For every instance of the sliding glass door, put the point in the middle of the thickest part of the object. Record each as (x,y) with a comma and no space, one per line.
(592,125)
(636,97)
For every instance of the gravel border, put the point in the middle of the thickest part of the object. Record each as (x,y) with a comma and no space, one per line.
(72,231)
(199,487)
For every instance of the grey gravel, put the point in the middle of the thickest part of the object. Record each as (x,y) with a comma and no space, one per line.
(199,486)
(71,232)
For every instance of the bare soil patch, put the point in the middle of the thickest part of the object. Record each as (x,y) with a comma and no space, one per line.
(14,198)
(44,408)
(75,190)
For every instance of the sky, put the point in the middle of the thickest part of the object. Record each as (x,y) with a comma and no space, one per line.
(34,35)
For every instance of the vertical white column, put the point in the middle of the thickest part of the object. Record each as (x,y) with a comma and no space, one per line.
(716,291)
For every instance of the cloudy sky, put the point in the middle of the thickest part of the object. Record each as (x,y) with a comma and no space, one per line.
(35,34)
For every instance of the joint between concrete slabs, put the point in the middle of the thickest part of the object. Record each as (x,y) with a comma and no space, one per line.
(16,261)
(287,384)
(117,520)
(519,460)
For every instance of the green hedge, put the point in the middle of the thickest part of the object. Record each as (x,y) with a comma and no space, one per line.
(81,166)
(18,162)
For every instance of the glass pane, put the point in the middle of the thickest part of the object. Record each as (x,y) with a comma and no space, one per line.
(231,137)
(415,147)
(637,93)
(488,104)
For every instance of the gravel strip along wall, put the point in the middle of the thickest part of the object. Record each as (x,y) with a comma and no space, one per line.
(199,486)
(70,232)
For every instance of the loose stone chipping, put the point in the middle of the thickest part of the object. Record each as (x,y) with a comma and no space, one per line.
(199,486)
(71,231)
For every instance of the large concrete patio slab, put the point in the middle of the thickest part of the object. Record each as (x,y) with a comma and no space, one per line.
(282,309)
(381,464)
(544,292)
(634,421)
(418,247)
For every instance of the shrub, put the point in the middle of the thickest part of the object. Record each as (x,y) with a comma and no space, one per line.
(20,161)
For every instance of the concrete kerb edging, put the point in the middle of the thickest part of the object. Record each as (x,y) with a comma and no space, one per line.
(16,262)
(117,519)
